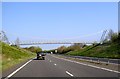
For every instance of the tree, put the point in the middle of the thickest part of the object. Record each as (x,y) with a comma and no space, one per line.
(38,49)
(34,49)
(114,38)
(76,46)
(110,34)
(61,49)
(95,43)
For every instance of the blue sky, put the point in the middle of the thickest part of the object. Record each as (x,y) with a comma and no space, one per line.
(58,20)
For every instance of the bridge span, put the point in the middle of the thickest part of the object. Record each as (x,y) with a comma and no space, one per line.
(49,42)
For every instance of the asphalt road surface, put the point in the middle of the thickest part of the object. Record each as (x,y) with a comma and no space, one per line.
(58,67)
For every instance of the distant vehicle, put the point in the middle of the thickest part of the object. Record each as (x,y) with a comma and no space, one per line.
(41,56)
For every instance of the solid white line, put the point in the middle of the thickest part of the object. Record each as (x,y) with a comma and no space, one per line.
(69,73)
(89,65)
(18,69)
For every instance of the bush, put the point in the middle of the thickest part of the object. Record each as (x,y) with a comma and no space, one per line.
(34,49)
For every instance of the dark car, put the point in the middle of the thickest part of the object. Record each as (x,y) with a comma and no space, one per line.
(41,56)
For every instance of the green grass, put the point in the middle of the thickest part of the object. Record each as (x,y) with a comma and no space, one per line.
(109,51)
(0,57)
(14,55)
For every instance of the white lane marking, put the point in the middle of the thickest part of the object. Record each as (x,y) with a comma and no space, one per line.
(55,64)
(18,69)
(89,65)
(69,73)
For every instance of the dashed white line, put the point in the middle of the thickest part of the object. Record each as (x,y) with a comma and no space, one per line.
(69,73)
(89,65)
(18,69)
(55,64)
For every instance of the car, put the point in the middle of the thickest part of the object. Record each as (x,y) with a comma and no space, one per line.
(41,56)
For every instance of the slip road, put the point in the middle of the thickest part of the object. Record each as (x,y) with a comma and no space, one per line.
(58,67)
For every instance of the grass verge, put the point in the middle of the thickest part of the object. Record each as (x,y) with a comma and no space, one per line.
(13,55)
(101,51)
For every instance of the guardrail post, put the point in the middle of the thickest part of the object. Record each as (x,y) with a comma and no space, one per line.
(91,60)
(108,62)
(98,60)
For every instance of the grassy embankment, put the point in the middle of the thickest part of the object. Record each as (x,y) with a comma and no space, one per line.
(13,55)
(0,57)
(103,51)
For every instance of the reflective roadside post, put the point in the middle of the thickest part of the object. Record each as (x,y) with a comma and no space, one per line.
(55,51)
(51,52)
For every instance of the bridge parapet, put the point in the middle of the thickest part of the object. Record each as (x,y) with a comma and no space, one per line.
(50,42)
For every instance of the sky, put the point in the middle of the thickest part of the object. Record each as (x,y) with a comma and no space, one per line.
(82,21)
(60,0)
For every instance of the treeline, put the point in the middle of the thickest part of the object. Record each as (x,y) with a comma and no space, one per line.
(34,49)
(112,37)
(110,42)
(109,48)
(64,49)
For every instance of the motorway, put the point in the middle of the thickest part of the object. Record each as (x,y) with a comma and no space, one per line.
(58,67)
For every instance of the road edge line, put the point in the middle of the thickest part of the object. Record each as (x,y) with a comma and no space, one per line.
(17,69)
